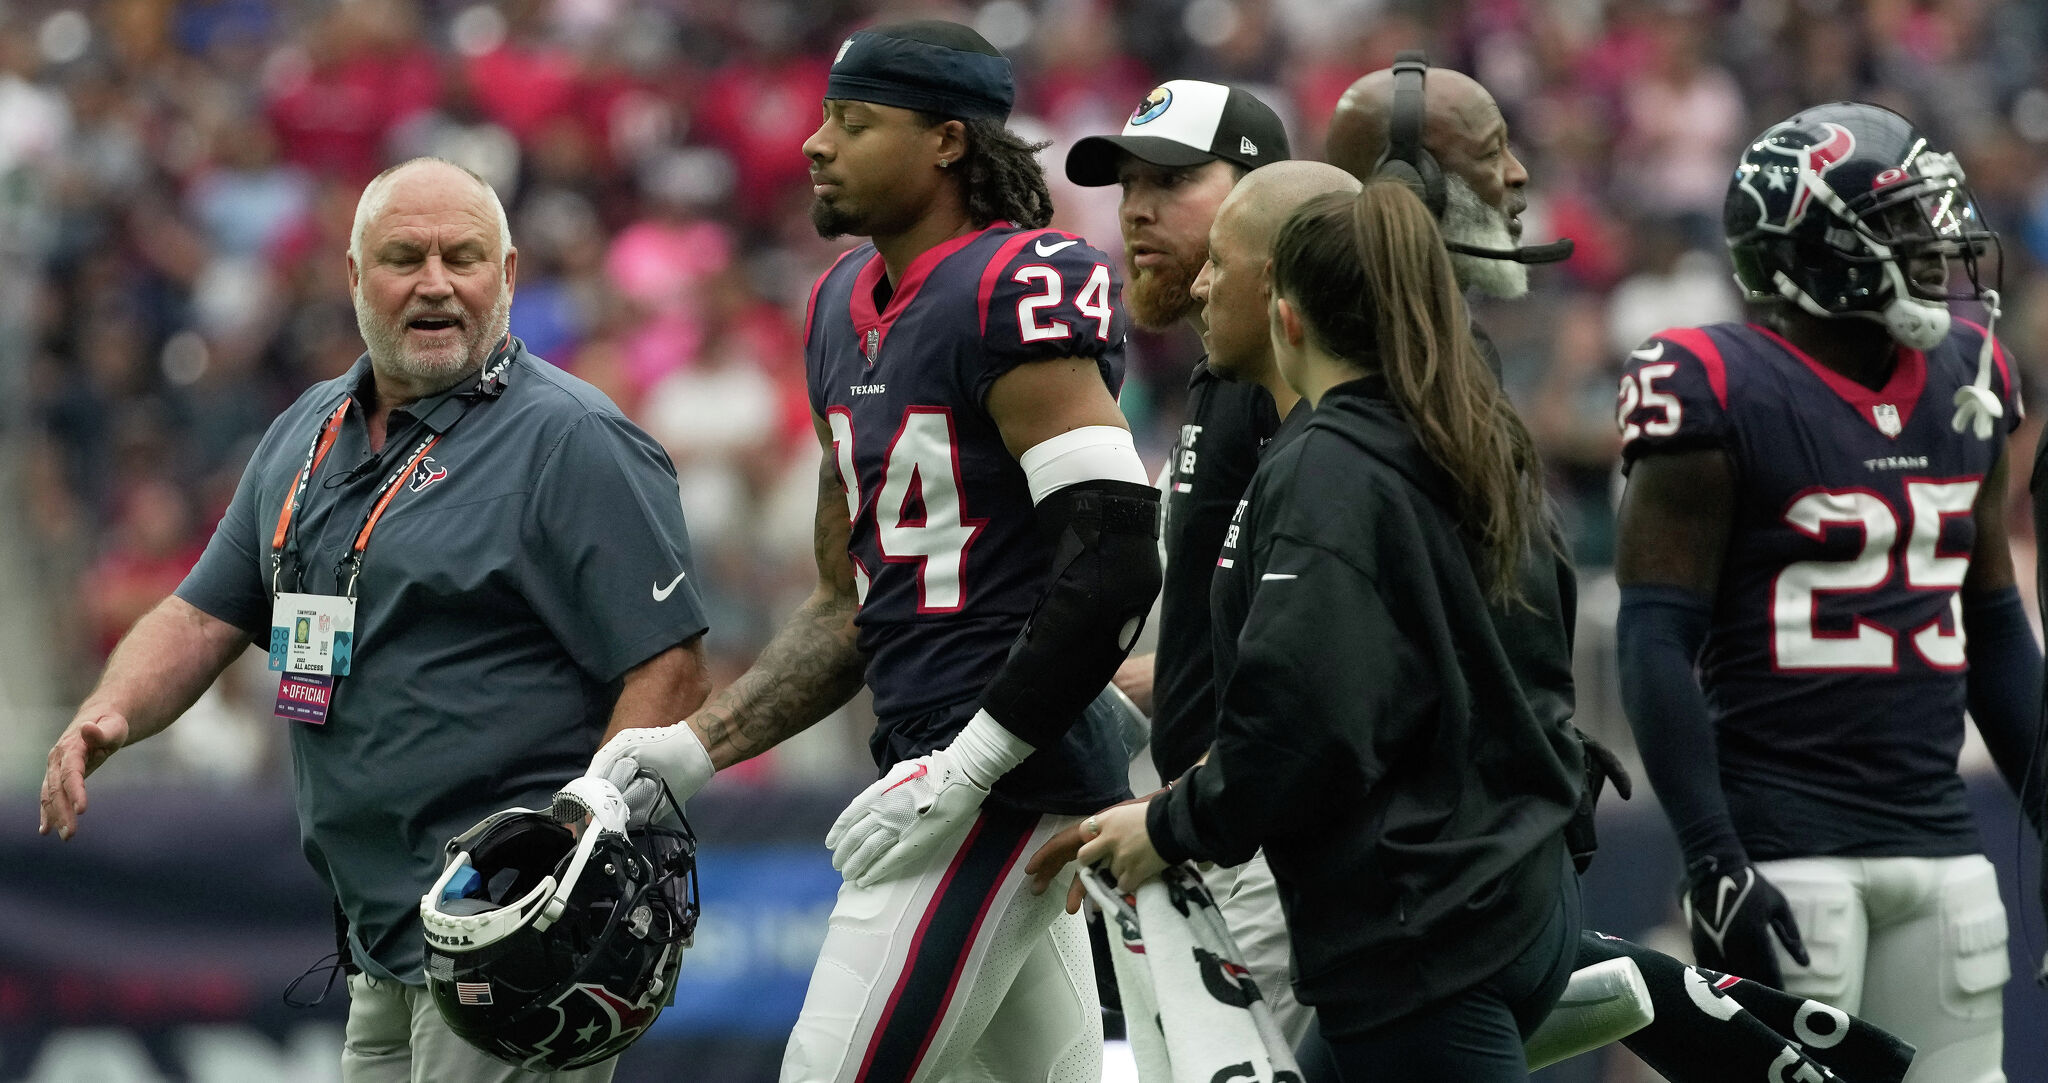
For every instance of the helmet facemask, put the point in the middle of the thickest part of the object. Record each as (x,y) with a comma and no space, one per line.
(1856,263)
(553,945)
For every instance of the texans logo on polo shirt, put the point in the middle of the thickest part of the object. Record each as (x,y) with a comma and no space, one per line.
(426,473)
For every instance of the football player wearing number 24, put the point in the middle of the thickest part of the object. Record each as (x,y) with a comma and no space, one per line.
(1816,583)
(987,550)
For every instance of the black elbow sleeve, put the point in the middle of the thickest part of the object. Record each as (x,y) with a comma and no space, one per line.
(1104,537)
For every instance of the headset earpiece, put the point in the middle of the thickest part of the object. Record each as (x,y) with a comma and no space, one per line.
(1405,159)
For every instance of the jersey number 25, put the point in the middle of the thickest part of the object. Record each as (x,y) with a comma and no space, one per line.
(1797,645)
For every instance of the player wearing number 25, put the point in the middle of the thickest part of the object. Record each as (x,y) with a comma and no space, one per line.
(987,548)
(1815,519)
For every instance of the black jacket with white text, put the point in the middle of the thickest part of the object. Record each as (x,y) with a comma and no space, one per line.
(1399,746)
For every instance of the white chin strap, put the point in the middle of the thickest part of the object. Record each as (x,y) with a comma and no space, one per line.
(1976,406)
(1916,323)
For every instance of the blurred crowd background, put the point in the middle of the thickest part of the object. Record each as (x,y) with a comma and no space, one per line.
(177,181)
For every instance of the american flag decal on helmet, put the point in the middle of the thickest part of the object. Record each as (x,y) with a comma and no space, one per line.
(473,992)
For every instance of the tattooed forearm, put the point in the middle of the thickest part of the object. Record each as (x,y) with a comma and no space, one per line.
(810,668)
(813,665)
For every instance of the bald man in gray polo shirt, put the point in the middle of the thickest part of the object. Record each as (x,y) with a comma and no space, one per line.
(511,555)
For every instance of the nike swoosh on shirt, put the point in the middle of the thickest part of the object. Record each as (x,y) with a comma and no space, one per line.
(1649,353)
(661,593)
(1270,576)
(1046,250)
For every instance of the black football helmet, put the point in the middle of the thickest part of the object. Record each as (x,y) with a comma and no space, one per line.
(553,947)
(1828,205)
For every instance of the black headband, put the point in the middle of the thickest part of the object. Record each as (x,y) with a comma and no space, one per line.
(930,66)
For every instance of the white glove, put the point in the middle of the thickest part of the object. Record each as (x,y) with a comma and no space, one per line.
(921,804)
(636,758)
(639,789)
(593,798)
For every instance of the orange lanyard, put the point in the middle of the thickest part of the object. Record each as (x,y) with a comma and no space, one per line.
(490,384)
(322,443)
(354,560)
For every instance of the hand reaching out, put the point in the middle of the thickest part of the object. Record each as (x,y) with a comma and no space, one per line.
(79,751)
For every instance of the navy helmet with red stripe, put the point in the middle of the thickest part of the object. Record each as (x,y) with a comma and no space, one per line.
(1828,208)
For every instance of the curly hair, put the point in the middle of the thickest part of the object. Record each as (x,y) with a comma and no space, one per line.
(1000,174)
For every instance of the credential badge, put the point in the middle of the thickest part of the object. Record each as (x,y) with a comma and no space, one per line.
(1887,417)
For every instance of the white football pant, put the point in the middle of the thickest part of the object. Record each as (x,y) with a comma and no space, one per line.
(1915,945)
(955,972)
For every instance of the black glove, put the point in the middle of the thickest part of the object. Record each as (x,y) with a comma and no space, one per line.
(1732,911)
(1601,765)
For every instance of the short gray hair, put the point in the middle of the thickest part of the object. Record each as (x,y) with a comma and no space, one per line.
(378,191)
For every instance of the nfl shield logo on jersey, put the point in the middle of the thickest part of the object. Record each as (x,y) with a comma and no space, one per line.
(1887,417)
(873,345)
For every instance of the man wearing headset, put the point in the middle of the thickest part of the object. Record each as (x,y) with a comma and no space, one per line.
(1459,149)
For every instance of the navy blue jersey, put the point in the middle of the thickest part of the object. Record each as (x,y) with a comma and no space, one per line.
(1834,666)
(946,547)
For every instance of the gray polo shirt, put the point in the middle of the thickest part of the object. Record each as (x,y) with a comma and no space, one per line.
(517,574)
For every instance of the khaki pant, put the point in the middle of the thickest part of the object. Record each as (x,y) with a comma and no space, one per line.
(1249,900)
(395,1035)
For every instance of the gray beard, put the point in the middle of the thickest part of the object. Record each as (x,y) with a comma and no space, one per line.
(1468,220)
(387,350)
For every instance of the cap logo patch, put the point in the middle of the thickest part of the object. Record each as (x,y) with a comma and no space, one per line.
(1246,146)
(1154,104)
(843,46)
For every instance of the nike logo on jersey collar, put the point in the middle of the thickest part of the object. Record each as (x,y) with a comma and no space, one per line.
(1045,249)
(661,593)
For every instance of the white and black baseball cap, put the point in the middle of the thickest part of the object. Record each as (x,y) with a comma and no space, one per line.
(1184,122)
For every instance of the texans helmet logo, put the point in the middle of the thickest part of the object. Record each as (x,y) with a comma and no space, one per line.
(426,473)
(592,1023)
(1774,170)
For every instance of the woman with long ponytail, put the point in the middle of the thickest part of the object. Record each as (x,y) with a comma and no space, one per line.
(1394,707)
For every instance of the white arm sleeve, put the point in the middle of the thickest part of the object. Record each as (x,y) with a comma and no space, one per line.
(1089,453)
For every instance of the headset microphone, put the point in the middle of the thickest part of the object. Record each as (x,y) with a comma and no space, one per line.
(1406,160)
(1550,252)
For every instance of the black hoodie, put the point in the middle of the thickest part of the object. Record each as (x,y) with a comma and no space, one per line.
(1399,746)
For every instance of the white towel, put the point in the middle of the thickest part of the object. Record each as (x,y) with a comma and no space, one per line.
(1191,1009)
